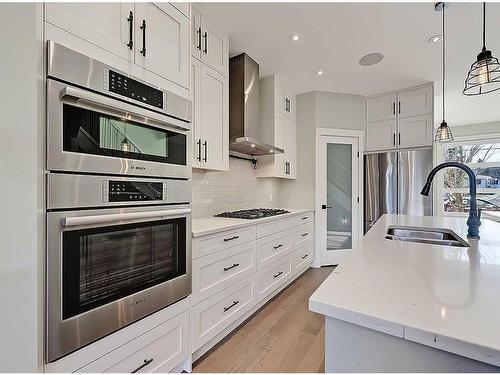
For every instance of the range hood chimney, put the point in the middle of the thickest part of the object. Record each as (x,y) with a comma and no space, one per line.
(245,135)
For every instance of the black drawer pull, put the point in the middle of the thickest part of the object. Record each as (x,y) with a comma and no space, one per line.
(305,256)
(278,246)
(199,39)
(130,20)
(143,28)
(279,273)
(304,234)
(232,305)
(305,218)
(144,364)
(231,238)
(234,265)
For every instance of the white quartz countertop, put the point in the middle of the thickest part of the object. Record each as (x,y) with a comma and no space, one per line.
(209,225)
(440,296)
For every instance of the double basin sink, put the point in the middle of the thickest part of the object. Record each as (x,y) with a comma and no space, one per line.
(433,236)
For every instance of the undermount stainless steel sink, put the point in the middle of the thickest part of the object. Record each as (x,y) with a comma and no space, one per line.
(433,236)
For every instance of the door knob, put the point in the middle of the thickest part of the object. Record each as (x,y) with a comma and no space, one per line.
(324,206)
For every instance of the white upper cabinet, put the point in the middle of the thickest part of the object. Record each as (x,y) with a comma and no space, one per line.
(161,32)
(416,102)
(381,135)
(107,25)
(381,107)
(152,36)
(208,43)
(184,8)
(291,148)
(415,131)
(276,97)
(210,95)
(400,120)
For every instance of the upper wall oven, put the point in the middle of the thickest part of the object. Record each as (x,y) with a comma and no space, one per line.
(100,120)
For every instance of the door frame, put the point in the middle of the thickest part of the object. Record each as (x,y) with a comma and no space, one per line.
(320,240)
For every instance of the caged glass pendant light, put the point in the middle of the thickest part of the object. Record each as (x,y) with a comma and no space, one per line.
(484,74)
(443,133)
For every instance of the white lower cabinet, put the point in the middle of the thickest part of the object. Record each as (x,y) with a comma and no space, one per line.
(236,271)
(158,350)
(211,316)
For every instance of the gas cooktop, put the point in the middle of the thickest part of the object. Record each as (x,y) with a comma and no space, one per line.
(255,213)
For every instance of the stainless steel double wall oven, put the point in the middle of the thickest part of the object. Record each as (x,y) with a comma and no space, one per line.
(118,200)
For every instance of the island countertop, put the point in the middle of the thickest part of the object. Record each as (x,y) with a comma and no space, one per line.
(440,296)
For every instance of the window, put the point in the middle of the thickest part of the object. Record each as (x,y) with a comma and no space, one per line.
(483,157)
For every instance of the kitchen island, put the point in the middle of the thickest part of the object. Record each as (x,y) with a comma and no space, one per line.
(396,306)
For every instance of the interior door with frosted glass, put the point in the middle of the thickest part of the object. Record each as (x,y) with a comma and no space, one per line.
(338,222)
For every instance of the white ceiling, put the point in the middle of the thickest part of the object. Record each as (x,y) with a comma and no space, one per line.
(334,36)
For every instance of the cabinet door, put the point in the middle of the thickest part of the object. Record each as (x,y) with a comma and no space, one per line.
(106,25)
(166,41)
(215,47)
(381,135)
(415,131)
(280,142)
(214,119)
(381,107)
(195,99)
(415,102)
(196,33)
(291,148)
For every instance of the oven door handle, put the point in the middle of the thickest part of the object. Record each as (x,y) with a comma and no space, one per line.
(121,109)
(98,219)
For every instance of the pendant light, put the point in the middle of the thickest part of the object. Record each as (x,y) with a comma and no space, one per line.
(484,74)
(443,133)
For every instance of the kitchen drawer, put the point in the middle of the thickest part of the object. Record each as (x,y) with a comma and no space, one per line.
(303,218)
(160,349)
(217,271)
(301,234)
(219,241)
(272,226)
(273,247)
(302,256)
(211,316)
(270,278)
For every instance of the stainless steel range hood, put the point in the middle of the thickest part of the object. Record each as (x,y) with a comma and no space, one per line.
(245,134)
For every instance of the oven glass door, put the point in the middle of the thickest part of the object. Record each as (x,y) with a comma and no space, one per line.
(88,131)
(104,264)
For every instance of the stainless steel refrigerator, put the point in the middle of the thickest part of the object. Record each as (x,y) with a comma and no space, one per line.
(393,181)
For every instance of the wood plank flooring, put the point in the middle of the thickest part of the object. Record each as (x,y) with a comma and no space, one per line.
(284,336)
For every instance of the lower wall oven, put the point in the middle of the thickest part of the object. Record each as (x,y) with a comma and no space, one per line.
(118,249)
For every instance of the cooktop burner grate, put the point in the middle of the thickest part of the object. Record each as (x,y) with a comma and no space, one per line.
(255,213)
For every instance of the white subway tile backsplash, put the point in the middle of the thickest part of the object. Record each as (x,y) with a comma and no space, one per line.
(239,188)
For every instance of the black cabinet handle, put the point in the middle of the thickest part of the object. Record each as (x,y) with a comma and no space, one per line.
(143,28)
(205,38)
(394,139)
(399,105)
(144,364)
(277,246)
(399,140)
(305,256)
(199,150)
(199,38)
(231,306)
(231,238)
(324,206)
(130,20)
(305,218)
(279,273)
(304,234)
(205,146)
(231,267)
(393,108)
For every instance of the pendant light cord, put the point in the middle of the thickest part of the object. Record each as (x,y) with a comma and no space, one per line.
(444,59)
(484,26)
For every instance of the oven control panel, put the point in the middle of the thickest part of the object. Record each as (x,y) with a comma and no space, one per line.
(133,89)
(131,191)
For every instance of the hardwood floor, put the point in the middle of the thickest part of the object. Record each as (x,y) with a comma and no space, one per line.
(284,336)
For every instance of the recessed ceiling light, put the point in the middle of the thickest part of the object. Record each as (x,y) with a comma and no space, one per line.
(320,72)
(252,145)
(295,37)
(435,38)
(371,59)
(271,151)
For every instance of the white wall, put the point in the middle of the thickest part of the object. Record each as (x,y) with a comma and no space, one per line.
(476,129)
(339,111)
(239,188)
(20,191)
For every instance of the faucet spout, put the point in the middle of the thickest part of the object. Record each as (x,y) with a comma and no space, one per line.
(474,220)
